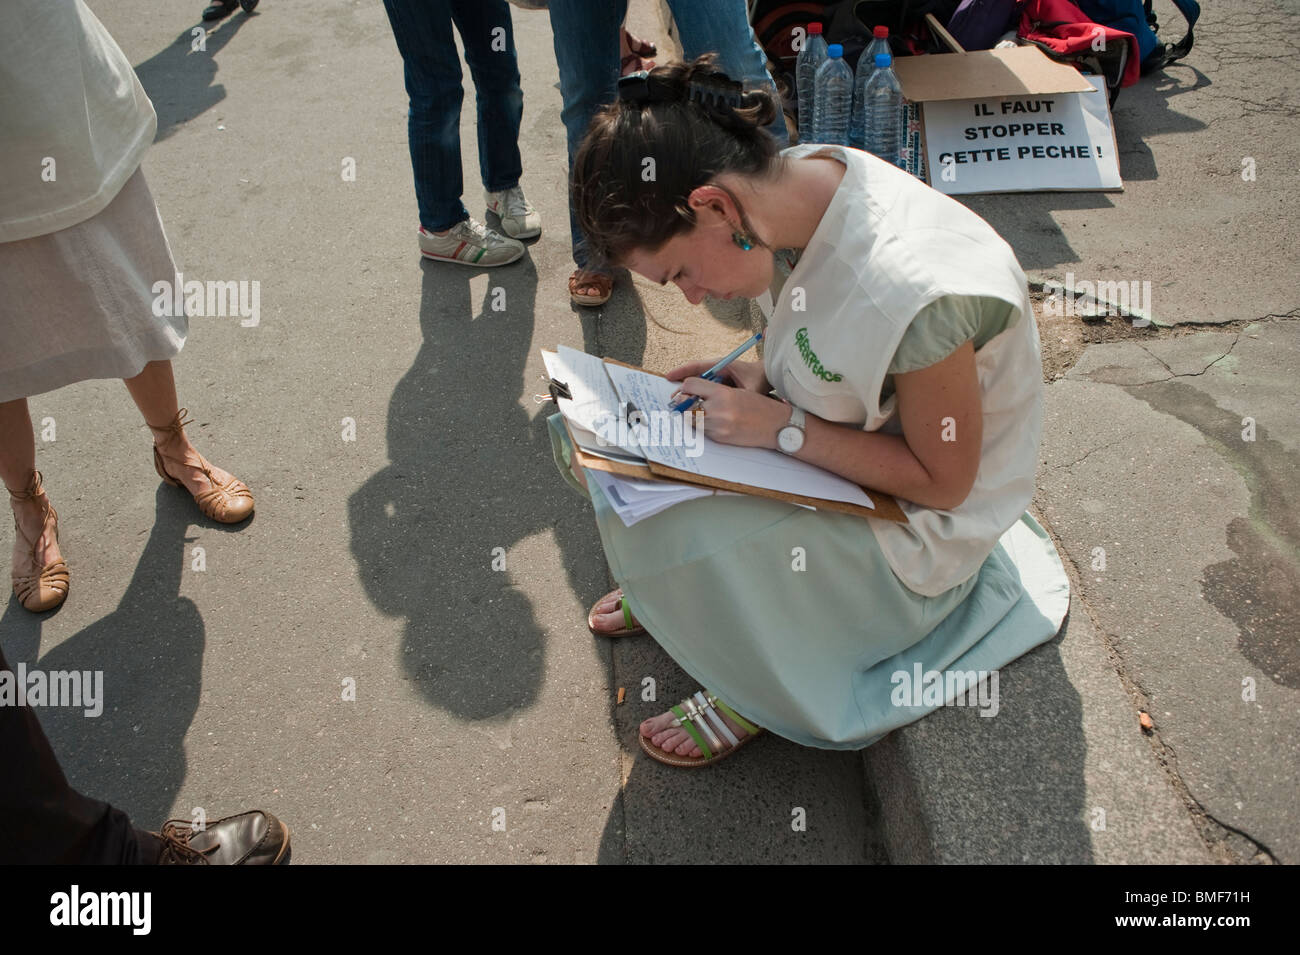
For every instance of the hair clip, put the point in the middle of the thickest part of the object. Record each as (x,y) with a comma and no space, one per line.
(641,88)
(718,89)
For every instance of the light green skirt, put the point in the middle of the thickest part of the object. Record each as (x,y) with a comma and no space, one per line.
(795,619)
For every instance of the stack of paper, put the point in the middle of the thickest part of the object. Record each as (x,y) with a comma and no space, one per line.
(635,500)
(603,394)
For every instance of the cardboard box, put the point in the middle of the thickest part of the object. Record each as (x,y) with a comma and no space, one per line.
(1010,120)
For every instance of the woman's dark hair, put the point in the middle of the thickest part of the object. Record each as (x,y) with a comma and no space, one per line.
(675,129)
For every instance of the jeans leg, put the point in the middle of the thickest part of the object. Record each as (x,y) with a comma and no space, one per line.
(488,34)
(422,29)
(722,27)
(43,819)
(586,52)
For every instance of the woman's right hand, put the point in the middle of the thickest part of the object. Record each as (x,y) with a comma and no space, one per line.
(747,375)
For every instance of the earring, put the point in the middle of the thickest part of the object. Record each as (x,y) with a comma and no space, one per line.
(742,240)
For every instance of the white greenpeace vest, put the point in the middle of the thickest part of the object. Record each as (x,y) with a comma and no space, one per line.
(888,246)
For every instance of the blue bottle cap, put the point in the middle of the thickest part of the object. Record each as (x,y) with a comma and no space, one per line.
(836,51)
(883,60)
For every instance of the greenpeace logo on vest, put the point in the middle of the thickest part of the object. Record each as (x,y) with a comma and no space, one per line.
(953,687)
(103,908)
(209,299)
(1094,299)
(810,357)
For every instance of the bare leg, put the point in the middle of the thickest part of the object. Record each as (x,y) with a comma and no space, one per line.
(154,393)
(17,461)
(17,446)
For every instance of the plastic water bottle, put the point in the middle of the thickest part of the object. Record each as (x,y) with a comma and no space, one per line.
(866,66)
(833,99)
(812,56)
(883,99)
(879,44)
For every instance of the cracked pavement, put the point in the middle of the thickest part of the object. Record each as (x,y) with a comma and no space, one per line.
(1198,583)
(479,690)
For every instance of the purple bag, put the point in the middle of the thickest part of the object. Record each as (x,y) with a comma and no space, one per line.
(978,24)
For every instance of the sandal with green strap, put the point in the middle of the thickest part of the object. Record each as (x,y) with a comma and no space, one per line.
(630,626)
(697,715)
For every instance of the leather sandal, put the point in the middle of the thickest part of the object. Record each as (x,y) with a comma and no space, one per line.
(581,278)
(699,717)
(634,64)
(46,590)
(637,45)
(630,626)
(228,503)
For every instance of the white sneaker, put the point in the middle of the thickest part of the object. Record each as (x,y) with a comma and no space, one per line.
(470,242)
(518,217)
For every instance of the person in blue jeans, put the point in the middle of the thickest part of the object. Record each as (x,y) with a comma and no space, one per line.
(422,29)
(586,34)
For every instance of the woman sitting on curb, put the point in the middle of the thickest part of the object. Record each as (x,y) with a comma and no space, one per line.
(903,353)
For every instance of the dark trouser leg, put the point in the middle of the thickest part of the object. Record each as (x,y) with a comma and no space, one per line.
(488,34)
(586,51)
(422,29)
(42,818)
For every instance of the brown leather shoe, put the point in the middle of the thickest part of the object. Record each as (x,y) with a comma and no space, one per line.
(250,838)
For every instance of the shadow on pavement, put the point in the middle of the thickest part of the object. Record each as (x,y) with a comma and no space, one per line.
(1026,219)
(181,80)
(150,651)
(425,528)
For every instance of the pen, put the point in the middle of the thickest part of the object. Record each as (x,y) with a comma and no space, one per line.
(711,374)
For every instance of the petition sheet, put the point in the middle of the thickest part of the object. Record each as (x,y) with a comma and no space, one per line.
(761,467)
(594,406)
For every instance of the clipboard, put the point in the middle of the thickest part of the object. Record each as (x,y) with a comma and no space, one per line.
(886,507)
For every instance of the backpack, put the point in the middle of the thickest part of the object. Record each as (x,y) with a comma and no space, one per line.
(1137,17)
(1066,33)
(979,24)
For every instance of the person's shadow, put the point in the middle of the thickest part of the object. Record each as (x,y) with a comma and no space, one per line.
(150,652)
(180,79)
(470,478)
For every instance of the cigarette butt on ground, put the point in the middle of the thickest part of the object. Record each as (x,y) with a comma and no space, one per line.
(621,691)
(1145,720)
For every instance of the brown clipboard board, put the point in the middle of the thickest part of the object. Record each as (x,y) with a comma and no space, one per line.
(886,507)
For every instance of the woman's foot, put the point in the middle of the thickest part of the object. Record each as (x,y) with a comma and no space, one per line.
(590,288)
(635,46)
(611,617)
(220,495)
(634,54)
(675,739)
(40,576)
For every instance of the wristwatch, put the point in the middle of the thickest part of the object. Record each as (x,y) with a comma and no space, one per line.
(790,438)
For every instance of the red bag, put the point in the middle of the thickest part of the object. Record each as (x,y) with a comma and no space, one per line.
(1064,32)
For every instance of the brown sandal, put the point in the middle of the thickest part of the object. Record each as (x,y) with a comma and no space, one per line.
(637,45)
(630,629)
(228,503)
(634,64)
(49,588)
(581,278)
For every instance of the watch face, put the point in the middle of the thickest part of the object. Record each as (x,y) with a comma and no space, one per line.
(790,439)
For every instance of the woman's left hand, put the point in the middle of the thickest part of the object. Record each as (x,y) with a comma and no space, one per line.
(735,415)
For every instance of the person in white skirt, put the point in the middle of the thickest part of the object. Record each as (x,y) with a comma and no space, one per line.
(900,352)
(81,246)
